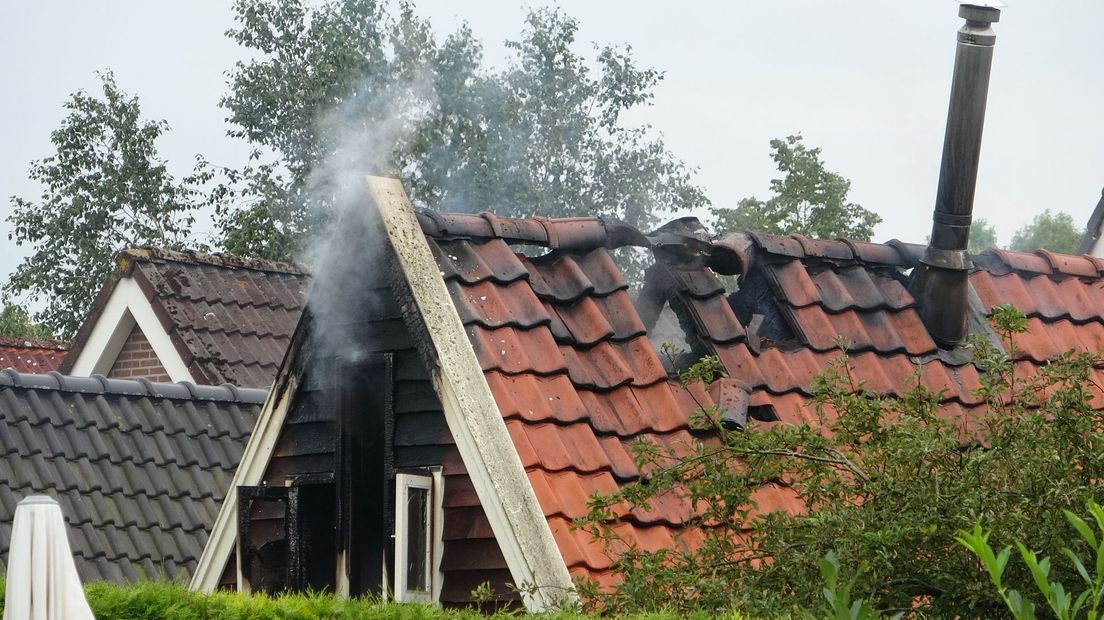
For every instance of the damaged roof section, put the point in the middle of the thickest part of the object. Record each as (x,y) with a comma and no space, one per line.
(229,318)
(565,348)
(139,469)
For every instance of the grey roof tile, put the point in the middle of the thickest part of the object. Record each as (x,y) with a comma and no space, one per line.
(139,473)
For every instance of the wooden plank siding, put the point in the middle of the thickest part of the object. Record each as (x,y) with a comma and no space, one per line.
(471,555)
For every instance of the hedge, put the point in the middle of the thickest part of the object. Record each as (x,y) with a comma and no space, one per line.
(172,601)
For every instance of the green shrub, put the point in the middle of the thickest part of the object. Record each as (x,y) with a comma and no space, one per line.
(1059,597)
(172,601)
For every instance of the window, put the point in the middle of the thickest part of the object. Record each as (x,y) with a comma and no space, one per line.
(286,535)
(418,527)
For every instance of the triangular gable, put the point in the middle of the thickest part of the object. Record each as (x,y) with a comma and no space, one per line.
(123,308)
(211,318)
(480,434)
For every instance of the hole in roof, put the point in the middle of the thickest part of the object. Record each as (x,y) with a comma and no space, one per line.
(530,250)
(762,413)
(755,298)
(669,339)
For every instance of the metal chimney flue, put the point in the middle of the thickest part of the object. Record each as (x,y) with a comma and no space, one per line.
(940,284)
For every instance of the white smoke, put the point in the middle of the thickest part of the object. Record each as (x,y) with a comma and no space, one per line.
(359,138)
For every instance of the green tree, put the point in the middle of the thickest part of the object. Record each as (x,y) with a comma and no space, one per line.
(15,322)
(1051,231)
(545,134)
(982,235)
(892,480)
(808,200)
(104,189)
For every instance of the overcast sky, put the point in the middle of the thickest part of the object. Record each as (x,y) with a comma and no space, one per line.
(865,80)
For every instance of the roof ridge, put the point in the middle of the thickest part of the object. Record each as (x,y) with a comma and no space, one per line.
(35,343)
(1043,261)
(566,233)
(217,259)
(98,384)
(893,252)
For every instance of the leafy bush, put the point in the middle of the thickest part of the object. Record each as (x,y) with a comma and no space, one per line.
(1058,598)
(889,482)
(171,601)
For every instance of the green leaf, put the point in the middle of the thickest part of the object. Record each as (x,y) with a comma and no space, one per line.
(1021,609)
(1075,609)
(1078,565)
(1039,572)
(1082,528)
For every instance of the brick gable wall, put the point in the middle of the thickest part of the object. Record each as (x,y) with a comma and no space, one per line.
(137,359)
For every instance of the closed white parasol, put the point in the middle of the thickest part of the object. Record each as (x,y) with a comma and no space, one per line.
(42,579)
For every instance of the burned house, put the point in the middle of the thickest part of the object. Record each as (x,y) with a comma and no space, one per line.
(452,399)
(203,318)
(494,392)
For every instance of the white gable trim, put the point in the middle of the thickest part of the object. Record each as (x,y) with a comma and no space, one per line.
(251,468)
(126,308)
(493,464)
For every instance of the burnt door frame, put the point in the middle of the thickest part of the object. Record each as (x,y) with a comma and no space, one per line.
(247,495)
(365,470)
(300,540)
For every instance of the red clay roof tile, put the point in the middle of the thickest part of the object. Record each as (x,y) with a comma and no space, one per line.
(555,447)
(584,322)
(877,253)
(825,248)
(1071,265)
(798,289)
(1021,261)
(536,398)
(716,319)
(472,263)
(497,305)
(780,246)
(698,283)
(515,351)
(32,356)
(579,387)
(567,278)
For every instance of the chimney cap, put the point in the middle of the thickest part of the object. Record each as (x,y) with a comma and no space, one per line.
(981,13)
(988,4)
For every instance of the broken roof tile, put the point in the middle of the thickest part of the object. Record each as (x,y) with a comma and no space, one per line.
(577,390)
